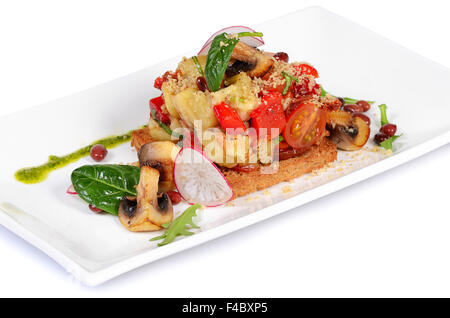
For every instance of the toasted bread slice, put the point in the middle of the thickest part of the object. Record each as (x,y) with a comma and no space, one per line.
(244,183)
(316,157)
(140,137)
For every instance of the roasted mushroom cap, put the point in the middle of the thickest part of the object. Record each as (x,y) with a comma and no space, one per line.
(160,155)
(347,132)
(250,60)
(149,210)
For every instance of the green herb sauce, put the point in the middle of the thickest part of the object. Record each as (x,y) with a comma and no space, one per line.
(40,173)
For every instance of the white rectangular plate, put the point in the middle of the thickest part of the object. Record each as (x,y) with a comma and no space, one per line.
(351,60)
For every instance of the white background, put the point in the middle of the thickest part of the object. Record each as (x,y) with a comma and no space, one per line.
(386,236)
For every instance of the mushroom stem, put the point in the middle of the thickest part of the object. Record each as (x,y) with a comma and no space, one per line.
(160,155)
(149,210)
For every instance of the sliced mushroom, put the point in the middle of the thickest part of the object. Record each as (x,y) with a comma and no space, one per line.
(149,211)
(347,132)
(257,63)
(238,67)
(160,155)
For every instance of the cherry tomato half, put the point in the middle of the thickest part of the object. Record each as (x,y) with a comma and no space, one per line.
(305,125)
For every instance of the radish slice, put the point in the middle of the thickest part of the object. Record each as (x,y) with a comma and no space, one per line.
(198,180)
(71,190)
(249,40)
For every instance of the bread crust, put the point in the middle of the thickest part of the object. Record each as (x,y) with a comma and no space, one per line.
(140,137)
(316,157)
(244,183)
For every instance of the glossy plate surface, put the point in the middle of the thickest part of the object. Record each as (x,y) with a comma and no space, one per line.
(368,66)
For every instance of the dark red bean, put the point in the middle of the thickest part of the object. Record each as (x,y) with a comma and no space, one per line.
(342,101)
(389,129)
(246,168)
(363,117)
(352,108)
(380,137)
(174,196)
(94,209)
(201,83)
(98,152)
(281,56)
(365,105)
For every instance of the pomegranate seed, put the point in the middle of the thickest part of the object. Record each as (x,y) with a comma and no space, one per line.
(302,88)
(353,108)
(201,83)
(94,209)
(380,137)
(174,196)
(98,152)
(389,129)
(281,56)
(363,117)
(365,105)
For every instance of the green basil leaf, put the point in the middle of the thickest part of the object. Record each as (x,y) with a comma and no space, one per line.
(217,61)
(104,186)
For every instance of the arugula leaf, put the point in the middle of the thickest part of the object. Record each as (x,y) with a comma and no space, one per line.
(160,123)
(219,56)
(289,78)
(178,226)
(104,186)
(279,139)
(384,119)
(164,126)
(347,100)
(387,144)
(199,67)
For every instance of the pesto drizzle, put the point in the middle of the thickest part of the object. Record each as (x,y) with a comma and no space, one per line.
(38,174)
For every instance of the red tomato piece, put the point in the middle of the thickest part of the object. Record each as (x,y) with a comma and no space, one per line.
(307,69)
(158,82)
(156,104)
(305,125)
(269,114)
(304,88)
(228,117)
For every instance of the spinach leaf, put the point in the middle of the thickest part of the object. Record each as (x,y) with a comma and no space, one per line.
(104,186)
(219,56)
